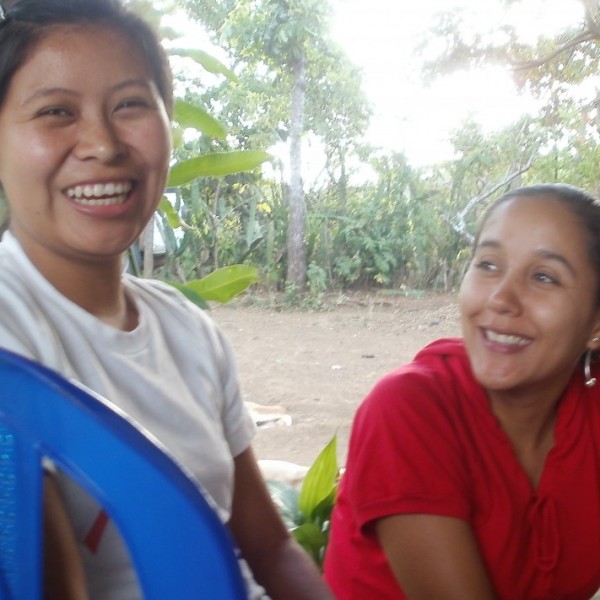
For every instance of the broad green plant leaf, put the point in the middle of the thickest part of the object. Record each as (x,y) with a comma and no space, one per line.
(208,62)
(320,480)
(177,133)
(169,211)
(216,164)
(322,512)
(192,115)
(311,538)
(224,284)
(191,295)
(307,514)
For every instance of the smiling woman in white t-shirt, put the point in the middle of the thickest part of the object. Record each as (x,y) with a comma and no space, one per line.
(85,102)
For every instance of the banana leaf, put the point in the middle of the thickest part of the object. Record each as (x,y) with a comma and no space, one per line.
(208,62)
(320,480)
(216,164)
(192,115)
(222,284)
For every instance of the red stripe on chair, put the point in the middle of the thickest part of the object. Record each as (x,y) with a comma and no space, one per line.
(94,535)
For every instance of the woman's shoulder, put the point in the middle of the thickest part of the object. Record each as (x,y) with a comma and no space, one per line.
(160,295)
(172,309)
(438,379)
(153,287)
(437,364)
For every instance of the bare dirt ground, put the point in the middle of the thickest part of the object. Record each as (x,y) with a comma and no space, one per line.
(320,364)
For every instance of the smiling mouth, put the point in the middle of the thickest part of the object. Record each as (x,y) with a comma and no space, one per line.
(503,338)
(100,194)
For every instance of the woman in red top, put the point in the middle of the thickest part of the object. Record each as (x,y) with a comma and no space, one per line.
(473,473)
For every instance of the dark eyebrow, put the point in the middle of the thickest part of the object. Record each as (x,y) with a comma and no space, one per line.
(549,255)
(145,83)
(45,92)
(545,254)
(487,244)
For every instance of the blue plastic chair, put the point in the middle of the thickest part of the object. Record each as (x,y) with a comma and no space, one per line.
(178,545)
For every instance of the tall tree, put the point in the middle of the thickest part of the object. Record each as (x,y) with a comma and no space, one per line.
(281,37)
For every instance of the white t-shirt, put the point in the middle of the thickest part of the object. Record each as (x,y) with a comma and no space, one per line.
(174,374)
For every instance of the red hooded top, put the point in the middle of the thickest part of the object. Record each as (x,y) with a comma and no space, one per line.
(425,441)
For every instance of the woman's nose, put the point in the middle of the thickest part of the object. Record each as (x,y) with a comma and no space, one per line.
(99,139)
(506,295)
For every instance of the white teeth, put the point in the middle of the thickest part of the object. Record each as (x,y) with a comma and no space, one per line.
(501,338)
(100,194)
(102,201)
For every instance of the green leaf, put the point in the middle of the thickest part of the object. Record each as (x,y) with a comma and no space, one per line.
(225,283)
(177,134)
(320,480)
(321,515)
(192,115)
(168,210)
(216,164)
(208,62)
(311,538)
(191,295)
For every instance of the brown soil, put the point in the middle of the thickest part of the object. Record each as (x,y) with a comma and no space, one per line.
(320,364)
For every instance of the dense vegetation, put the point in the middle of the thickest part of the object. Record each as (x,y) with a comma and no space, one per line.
(369,218)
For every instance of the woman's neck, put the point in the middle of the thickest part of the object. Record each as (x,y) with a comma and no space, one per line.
(95,285)
(529,425)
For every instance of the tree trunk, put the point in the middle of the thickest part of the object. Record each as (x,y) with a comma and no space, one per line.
(296,271)
(343,184)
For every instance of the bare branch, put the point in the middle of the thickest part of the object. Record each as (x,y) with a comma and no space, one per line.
(586,36)
(458,223)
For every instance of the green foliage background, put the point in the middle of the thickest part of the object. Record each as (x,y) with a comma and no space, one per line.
(373,219)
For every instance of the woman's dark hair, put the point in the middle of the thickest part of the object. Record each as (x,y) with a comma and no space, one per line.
(582,205)
(27,21)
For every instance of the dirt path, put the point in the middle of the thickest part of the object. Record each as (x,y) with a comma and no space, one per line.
(319,365)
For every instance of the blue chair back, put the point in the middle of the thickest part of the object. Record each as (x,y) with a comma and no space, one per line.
(178,546)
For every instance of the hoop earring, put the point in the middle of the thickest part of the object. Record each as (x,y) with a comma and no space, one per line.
(589,380)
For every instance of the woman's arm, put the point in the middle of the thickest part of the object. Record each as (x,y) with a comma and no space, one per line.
(434,558)
(64,578)
(279,564)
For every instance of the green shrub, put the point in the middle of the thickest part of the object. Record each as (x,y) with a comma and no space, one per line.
(307,512)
